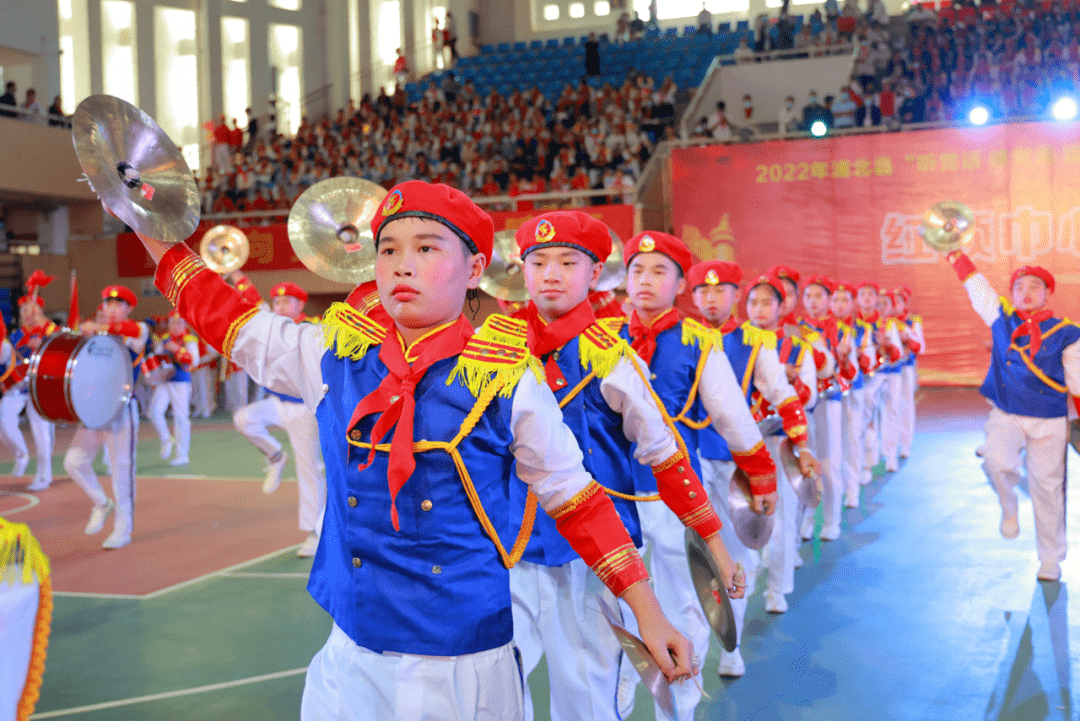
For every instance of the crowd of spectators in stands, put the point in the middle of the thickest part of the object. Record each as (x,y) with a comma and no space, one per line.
(586,138)
(1012,58)
(30,109)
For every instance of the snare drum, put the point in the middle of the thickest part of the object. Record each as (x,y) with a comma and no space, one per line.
(158,369)
(15,376)
(81,379)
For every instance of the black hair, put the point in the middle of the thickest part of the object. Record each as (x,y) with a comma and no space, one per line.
(779,297)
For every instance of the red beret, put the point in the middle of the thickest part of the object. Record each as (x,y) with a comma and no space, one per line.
(904,291)
(844,285)
(771,280)
(714,272)
(1037,271)
(654,241)
(565,229)
(867,284)
(31,299)
(38,279)
(825,282)
(119,292)
(443,204)
(783,271)
(290,289)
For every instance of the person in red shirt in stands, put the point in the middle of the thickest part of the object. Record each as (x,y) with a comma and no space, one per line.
(222,155)
(236,138)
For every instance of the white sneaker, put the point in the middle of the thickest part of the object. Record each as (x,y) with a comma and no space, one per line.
(775,602)
(731,664)
(273,473)
(167,448)
(851,501)
(829,533)
(117,539)
(905,453)
(806,530)
(1010,527)
(309,546)
(866,477)
(892,466)
(39,484)
(1049,571)
(798,560)
(98,517)
(179,462)
(21,462)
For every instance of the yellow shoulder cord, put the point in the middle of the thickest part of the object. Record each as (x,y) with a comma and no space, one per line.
(577,389)
(509,559)
(1036,370)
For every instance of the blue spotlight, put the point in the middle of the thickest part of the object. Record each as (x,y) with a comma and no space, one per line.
(819,128)
(979,115)
(1064,108)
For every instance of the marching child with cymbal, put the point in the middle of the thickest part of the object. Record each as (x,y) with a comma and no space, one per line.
(183,350)
(911,333)
(1034,369)
(421,426)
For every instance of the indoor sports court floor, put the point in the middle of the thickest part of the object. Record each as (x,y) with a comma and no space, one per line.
(920,611)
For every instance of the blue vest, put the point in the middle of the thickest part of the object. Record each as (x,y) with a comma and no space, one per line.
(888,367)
(910,323)
(674,366)
(284,397)
(438,585)
(607,458)
(182,375)
(860,328)
(1011,385)
(741,347)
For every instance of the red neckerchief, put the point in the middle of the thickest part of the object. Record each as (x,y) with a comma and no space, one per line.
(29,333)
(730,324)
(872,319)
(827,325)
(791,319)
(1030,327)
(902,318)
(394,400)
(546,337)
(644,336)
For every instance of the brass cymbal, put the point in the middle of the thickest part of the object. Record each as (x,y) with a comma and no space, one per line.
(503,278)
(710,590)
(136,170)
(753,529)
(642,659)
(947,226)
(224,248)
(807,488)
(330,229)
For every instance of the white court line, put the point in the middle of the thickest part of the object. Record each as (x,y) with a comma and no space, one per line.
(168,694)
(182,584)
(31,501)
(265,575)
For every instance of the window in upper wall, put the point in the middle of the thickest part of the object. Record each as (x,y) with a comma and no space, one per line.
(285,4)
(177,79)
(551,12)
(236,69)
(601,8)
(119,72)
(74,53)
(675,9)
(577,10)
(285,59)
(389,37)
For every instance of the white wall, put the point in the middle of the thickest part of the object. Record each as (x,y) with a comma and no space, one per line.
(30,26)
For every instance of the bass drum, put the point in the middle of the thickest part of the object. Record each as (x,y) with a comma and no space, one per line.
(81,379)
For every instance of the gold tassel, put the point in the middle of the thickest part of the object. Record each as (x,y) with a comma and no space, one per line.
(753,336)
(507,364)
(350,332)
(694,333)
(601,358)
(29,554)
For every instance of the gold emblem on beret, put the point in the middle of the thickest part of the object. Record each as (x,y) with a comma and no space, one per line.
(545,231)
(393,203)
(647,244)
(712,278)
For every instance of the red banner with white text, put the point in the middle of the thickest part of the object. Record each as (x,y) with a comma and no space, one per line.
(850,207)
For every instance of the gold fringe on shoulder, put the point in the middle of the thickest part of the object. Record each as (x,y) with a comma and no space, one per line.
(19,547)
(754,336)
(349,332)
(498,354)
(601,350)
(694,333)
(615,325)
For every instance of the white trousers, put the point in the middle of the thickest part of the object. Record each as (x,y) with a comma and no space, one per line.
(143,392)
(784,542)
(202,389)
(236,390)
(1043,442)
(556,613)
(665,534)
(176,395)
(18,614)
(42,430)
(890,418)
(716,477)
(346,682)
(909,384)
(851,466)
(829,450)
(121,438)
(254,421)
(871,424)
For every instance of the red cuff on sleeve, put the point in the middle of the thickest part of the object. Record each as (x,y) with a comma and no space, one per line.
(682,492)
(794,416)
(819,359)
(962,265)
(183,357)
(759,467)
(848,371)
(893,352)
(126,328)
(591,524)
(214,308)
(1076,403)
(864,363)
(802,390)
(913,345)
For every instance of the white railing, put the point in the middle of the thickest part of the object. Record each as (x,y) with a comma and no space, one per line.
(15,112)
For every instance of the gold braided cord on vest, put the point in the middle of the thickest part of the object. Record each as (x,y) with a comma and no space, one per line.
(509,559)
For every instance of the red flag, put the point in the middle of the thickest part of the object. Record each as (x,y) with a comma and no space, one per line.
(73,305)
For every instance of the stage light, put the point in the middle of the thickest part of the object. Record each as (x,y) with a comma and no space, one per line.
(819,128)
(979,115)
(1064,108)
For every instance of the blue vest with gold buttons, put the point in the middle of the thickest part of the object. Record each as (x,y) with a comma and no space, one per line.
(1023,385)
(741,346)
(438,586)
(599,432)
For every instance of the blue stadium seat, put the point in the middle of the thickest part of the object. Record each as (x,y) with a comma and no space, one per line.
(487,49)
(567,42)
(536,45)
(652,33)
(552,43)
(689,30)
(671,33)
(743,25)
(504,47)
(520,46)
(723,28)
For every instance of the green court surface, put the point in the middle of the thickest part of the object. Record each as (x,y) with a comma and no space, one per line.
(919,611)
